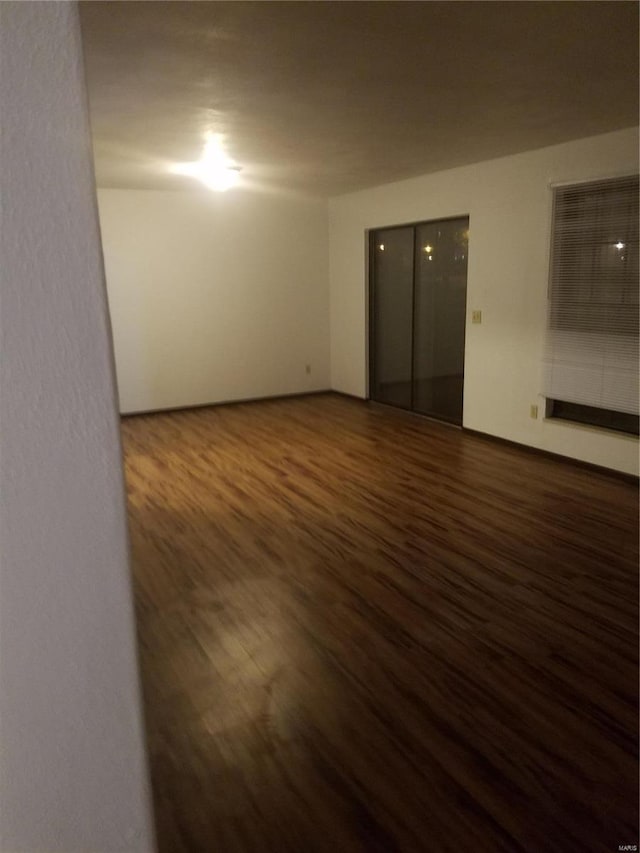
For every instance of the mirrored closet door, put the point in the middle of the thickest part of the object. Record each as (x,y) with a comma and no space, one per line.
(417,298)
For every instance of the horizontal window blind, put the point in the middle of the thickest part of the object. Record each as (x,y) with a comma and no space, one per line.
(592,340)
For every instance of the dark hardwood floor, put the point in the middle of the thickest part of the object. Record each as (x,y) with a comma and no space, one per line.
(363,631)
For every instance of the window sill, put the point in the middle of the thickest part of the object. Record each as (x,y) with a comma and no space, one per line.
(590,428)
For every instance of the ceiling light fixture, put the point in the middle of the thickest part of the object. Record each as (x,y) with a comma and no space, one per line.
(213,169)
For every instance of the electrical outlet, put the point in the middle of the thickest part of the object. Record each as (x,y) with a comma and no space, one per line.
(307,368)
(476,316)
(533,411)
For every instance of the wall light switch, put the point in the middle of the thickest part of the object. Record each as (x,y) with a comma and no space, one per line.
(476,316)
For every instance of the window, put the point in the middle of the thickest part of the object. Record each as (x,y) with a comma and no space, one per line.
(591,363)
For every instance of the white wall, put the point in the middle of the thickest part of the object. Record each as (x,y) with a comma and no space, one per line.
(72,771)
(509,203)
(215,296)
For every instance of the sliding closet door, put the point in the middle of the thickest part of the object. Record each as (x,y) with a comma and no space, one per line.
(441,252)
(391,311)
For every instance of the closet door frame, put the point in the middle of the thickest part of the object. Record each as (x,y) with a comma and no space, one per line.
(370,237)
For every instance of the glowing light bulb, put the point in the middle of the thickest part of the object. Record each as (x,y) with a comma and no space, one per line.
(619,245)
(428,249)
(214,169)
(220,179)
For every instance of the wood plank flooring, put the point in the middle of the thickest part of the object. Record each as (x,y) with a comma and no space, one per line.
(363,631)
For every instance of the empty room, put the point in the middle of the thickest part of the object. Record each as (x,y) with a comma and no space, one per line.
(320,427)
